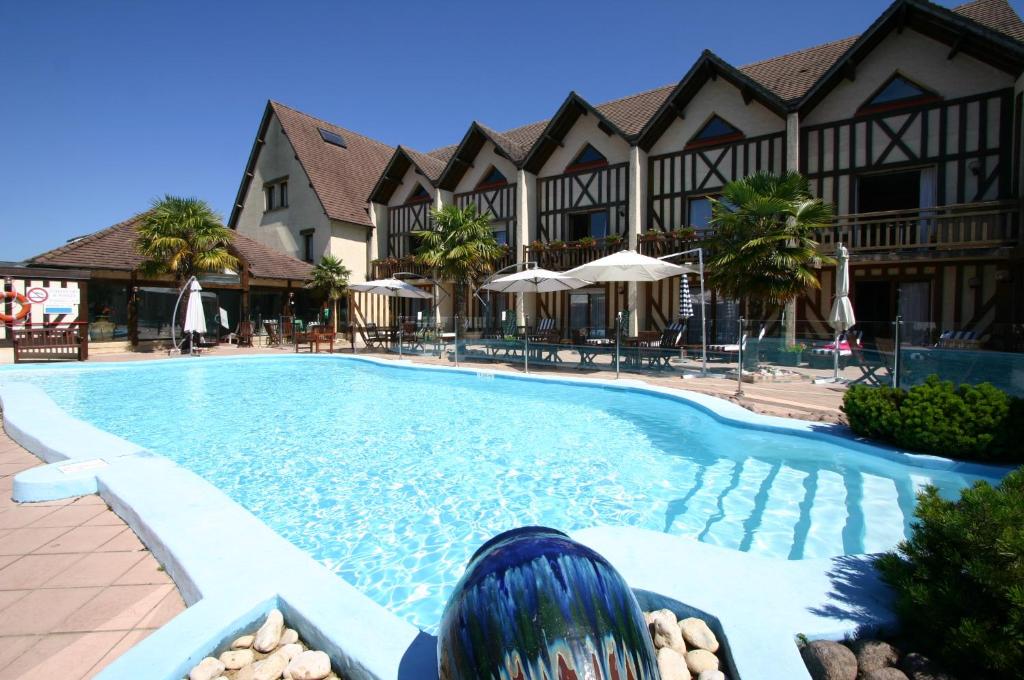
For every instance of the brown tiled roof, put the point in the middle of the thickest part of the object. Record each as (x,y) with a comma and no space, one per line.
(114,248)
(631,113)
(510,146)
(994,14)
(792,75)
(341,177)
(432,165)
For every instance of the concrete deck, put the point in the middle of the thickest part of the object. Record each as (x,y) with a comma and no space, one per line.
(77,588)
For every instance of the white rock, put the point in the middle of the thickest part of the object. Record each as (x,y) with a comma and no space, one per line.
(711,675)
(698,635)
(207,669)
(289,651)
(290,636)
(700,660)
(665,632)
(244,642)
(270,668)
(309,666)
(269,634)
(247,672)
(237,658)
(648,617)
(672,665)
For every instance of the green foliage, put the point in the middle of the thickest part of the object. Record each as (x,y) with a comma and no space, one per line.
(460,247)
(329,278)
(183,236)
(763,247)
(979,422)
(959,581)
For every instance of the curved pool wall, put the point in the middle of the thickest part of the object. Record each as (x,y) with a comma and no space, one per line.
(231,568)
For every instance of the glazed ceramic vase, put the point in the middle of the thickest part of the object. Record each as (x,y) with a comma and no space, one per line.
(535,605)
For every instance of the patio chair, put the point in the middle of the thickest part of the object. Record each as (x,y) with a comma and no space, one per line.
(875,363)
(959,340)
(659,354)
(243,335)
(273,336)
(824,356)
(375,337)
(546,331)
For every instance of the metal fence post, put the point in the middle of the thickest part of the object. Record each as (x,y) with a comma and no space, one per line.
(399,336)
(456,340)
(896,352)
(526,343)
(739,360)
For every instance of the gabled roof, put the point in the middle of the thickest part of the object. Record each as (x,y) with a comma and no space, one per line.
(791,75)
(113,248)
(340,177)
(707,67)
(463,153)
(558,127)
(429,166)
(952,27)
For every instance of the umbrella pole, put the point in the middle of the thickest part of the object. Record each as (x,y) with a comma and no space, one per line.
(400,337)
(703,320)
(739,361)
(618,334)
(835,358)
(526,344)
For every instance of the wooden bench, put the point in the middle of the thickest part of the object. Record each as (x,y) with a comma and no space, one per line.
(51,344)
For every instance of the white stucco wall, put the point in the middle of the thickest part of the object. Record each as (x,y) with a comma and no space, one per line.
(585,131)
(350,243)
(917,57)
(409,181)
(481,165)
(722,98)
(280,229)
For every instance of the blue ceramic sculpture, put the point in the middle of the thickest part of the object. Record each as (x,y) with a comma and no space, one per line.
(535,605)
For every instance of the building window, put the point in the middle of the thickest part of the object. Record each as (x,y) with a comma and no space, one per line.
(587,158)
(716,131)
(593,224)
(698,213)
(587,310)
(903,190)
(332,138)
(500,232)
(275,194)
(897,92)
(492,179)
(418,195)
(307,244)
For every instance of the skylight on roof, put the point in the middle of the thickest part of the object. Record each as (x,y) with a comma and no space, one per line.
(332,138)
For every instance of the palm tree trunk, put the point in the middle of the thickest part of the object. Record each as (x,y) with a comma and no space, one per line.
(790,325)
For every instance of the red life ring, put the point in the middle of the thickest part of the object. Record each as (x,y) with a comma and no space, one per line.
(26,307)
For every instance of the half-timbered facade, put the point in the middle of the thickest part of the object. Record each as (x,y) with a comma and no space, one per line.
(912,130)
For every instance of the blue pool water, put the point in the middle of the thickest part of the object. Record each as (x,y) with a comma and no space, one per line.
(392,477)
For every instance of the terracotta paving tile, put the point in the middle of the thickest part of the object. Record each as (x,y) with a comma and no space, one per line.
(32,571)
(24,541)
(146,571)
(91,499)
(126,540)
(164,611)
(69,516)
(25,516)
(80,539)
(13,647)
(10,469)
(116,608)
(66,657)
(12,456)
(9,597)
(106,518)
(95,569)
(6,559)
(132,638)
(41,611)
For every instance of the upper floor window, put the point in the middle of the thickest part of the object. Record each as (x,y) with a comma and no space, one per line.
(587,158)
(716,131)
(492,179)
(592,224)
(307,244)
(332,138)
(698,212)
(418,195)
(500,233)
(897,92)
(275,194)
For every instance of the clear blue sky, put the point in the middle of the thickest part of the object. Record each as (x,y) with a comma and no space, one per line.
(107,105)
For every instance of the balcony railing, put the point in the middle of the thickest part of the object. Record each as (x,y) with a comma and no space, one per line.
(949,227)
(388,267)
(560,257)
(656,244)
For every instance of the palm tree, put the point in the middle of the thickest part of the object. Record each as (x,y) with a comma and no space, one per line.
(763,249)
(459,248)
(330,280)
(183,237)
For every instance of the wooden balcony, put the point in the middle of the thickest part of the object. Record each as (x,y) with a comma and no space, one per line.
(389,266)
(562,257)
(657,244)
(943,228)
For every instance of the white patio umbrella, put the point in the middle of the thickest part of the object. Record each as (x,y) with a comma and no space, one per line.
(534,281)
(628,265)
(841,317)
(195,321)
(392,288)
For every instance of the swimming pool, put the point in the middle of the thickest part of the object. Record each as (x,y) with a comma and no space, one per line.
(393,476)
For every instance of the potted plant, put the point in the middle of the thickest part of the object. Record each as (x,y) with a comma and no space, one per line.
(537,246)
(613,239)
(557,244)
(652,235)
(684,233)
(586,242)
(791,355)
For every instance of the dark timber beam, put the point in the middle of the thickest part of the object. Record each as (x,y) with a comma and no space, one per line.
(677,110)
(553,140)
(958,45)
(747,94)
(605,128)
(850,70)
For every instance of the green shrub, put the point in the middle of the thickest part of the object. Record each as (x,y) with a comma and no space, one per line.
(959,580)
(979,422)
(873,411)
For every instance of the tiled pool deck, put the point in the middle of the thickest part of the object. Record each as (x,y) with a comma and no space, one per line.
(77,588)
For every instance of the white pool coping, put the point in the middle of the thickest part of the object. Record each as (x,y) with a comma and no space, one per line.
(231,568)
